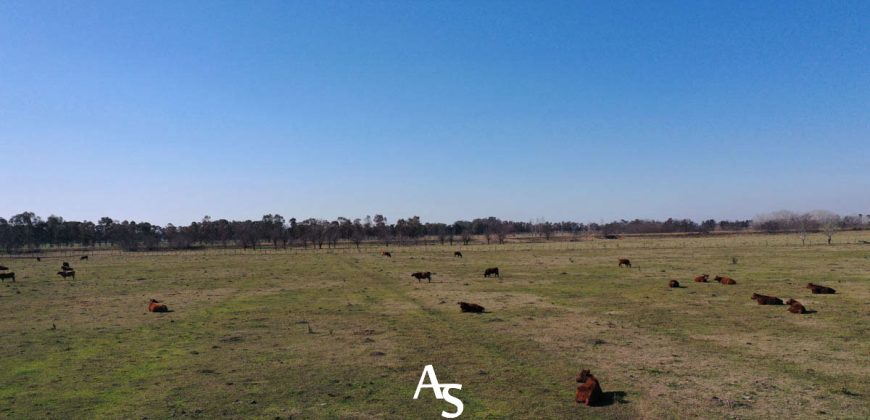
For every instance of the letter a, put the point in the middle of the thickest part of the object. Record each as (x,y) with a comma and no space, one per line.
(433,382)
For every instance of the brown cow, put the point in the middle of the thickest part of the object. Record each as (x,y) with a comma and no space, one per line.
(471,307)
(820,290)
(589,392)
(67,273)
(457,254)
(725,280)
(701,279)
(155,306)
(795,307)
(9,275)
(766,300)
(491,272)
(673,283)
(386,254)
(625,262)
(3,268)
(420,275)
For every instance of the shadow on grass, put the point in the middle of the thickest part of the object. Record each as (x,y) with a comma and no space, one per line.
(612,397)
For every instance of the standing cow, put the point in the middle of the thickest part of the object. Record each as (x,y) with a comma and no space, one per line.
(491,272)
(624,262)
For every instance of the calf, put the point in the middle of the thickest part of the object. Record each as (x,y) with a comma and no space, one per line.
(820,290)
(387,254)
(491,272)
(10,275)
(67,273)
(420,275)
(673,283)
(83,258)
(625,262)
(155,306)
(766,300)
(795,307)
(589,392)
(470,307)
(701,279)
(724,280)
(457,254)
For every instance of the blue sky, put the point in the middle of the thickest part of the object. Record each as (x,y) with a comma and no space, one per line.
(168,111)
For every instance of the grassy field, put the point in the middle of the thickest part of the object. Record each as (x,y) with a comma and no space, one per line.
(238,342)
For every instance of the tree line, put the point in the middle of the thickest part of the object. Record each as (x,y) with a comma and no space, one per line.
(27,231)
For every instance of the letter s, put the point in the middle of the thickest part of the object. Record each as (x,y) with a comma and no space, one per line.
(452,400)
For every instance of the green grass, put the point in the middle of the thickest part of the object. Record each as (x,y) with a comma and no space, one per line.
(238,341)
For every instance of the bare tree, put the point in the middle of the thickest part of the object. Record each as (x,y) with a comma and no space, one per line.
(828,222)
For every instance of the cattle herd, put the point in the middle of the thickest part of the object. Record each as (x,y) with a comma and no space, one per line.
(589,391)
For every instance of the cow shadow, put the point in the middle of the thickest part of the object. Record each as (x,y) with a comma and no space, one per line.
(612,397)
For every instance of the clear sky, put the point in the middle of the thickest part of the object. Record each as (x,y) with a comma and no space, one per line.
(170,110)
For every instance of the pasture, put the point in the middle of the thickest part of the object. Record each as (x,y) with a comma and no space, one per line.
(345,334)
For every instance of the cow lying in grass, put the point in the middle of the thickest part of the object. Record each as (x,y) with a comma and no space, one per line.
(766,300)
(470,307)
(795,307)
(820,290)
(68,273)
(10,275)
(420,275)
(589,392)
(624,262)
(673,283)
(491,272)
(155,306)
(724,280)
(701,279)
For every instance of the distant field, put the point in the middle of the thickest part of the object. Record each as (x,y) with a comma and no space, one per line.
(238,342)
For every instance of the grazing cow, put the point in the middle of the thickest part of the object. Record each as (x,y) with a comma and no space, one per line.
(589,392)
(725,280)
(83,258)
(69,273)
(625,262)
(457,254)
(795,307)
(470,307)
(673,283)
(155,306)
(820,290)
(491,272)
(701,279)
(766,300)
(387,254)
(9,275)
(420,275)
(3,268)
